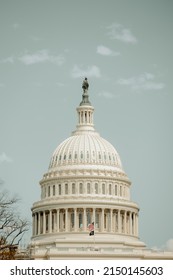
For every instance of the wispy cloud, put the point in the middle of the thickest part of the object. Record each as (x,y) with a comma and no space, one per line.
(106,51)
(9,59)
(5,158)
(90,71)
(106,94)
(169,245)
(119,32)
(143,82)
(40,57)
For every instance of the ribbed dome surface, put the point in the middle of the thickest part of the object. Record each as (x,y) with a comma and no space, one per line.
(85,148)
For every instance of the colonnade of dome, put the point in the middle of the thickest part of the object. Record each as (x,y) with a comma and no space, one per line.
(68,220)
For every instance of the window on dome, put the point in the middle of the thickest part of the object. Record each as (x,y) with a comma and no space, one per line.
(88,188)
(81,155)
(125,191)
(49,191)
(103,188)
(59,187)
(75,156)
(96,188)
(60,157)
(115,189)
(110,188)
(53,189)
(121,191)
(66,188)
(64,157)
(104,156)
(80,188)
(69,156)
(73,188)
(99,156)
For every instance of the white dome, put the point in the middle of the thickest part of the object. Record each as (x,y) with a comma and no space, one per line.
(85,148)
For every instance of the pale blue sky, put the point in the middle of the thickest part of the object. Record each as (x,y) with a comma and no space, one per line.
(125,49)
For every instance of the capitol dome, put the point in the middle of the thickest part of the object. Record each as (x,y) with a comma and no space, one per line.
(85,148)
(85,184)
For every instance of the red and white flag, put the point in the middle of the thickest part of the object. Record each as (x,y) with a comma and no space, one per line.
(91,228)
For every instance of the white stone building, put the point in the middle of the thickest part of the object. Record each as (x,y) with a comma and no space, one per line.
(85,184)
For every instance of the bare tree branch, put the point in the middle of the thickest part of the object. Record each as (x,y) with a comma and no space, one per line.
(12,226)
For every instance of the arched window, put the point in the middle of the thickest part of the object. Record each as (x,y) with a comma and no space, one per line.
(59,188)
(66,188)
(88,188)
(96,188)
(110,189)
(115,189)
(121,192)
(80,188)
(53,189)
(103,189)
(73,188)
(49,191)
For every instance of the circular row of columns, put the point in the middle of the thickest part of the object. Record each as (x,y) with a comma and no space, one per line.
(58,220)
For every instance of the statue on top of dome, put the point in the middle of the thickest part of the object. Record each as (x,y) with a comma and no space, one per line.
(85,85)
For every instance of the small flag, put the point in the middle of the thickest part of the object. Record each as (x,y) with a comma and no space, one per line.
(91,229)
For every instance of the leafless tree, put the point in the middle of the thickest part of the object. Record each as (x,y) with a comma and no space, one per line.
(12,226)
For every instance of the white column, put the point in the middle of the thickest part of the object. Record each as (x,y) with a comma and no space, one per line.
(32,224)
(39,223)
(57,220)
(93,219)
(125,222)
(137,224)
(75,219)
(119,222)
(66,219)
(36,224)
(134,223)
(111,220)
(130,220)
(44,222)
(84,219)
(102,221)
(50,221)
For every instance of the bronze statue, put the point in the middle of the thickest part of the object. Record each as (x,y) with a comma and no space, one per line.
(85,85)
